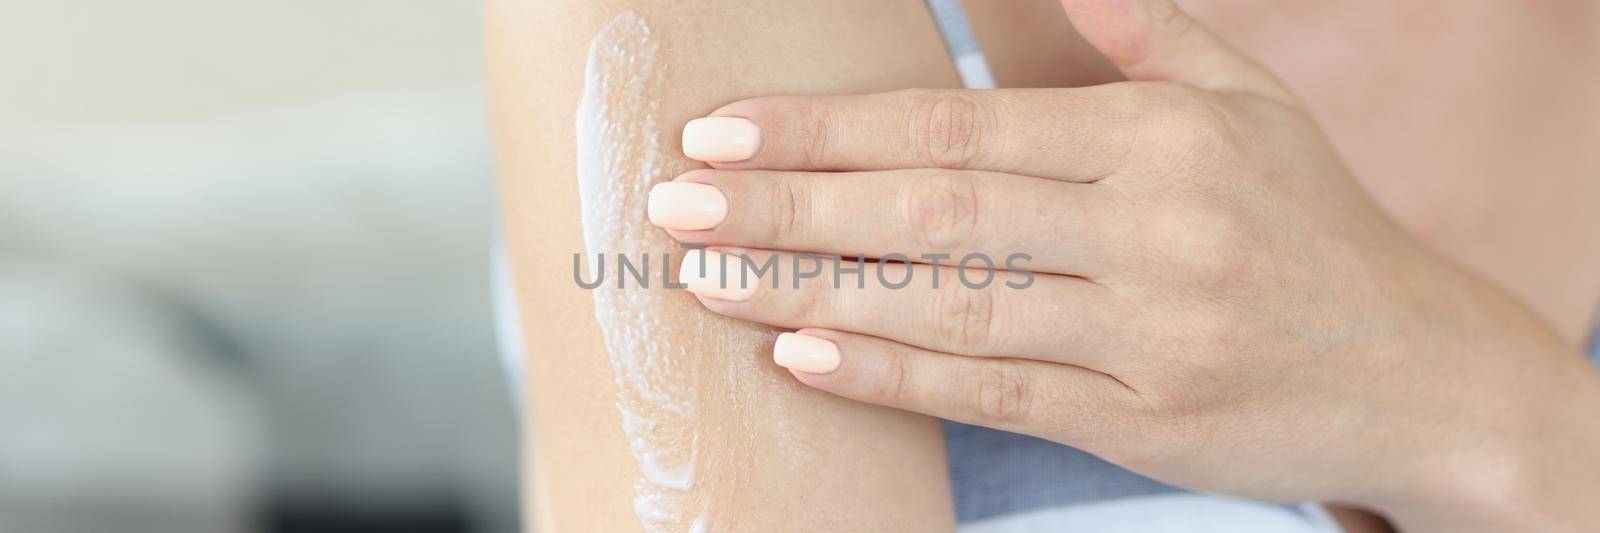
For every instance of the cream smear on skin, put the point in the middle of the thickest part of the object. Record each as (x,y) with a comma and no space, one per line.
(619,158)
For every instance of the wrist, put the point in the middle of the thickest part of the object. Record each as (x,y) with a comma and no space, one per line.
(1468,491)
(1535,469)
(1494,430)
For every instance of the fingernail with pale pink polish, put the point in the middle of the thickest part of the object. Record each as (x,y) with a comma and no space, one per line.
(721,139)
(683,205)
(702,274)
(804,353)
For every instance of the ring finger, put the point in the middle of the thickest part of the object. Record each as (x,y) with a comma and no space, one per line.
(975,312)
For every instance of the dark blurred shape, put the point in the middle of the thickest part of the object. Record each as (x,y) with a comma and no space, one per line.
(440,512)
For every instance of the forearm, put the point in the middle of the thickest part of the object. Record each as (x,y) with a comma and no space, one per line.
(746,449)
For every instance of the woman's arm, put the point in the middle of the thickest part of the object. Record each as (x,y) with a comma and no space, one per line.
(715,433)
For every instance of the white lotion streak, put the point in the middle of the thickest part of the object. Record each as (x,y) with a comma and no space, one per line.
(619,158)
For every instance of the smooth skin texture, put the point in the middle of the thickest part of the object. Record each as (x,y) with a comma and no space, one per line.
(801,461)
(1218,302)
(1474,131)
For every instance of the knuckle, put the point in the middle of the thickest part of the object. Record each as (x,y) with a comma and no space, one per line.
(947,129)
(789,205)
(1174,24)
(941,212)
(964,318)
(1207,123)
(821,129)
(1154,433)
(1192,119)
(1180,425)
(893,384)
(1003,393)
(1204,241)
(809,305)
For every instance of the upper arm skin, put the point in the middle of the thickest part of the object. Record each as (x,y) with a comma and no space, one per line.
(772,455)
(1031,43)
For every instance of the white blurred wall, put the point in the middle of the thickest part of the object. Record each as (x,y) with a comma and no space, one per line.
(309,185)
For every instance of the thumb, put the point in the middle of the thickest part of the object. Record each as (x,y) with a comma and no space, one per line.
(1154,40)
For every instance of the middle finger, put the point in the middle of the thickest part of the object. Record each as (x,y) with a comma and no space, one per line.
(1056,227)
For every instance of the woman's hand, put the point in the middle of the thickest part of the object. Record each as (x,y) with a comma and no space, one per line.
(1204,295)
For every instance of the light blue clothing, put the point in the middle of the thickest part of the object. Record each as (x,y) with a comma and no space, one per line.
(1594,344)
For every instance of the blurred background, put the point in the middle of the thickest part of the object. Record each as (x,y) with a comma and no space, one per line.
(244,269)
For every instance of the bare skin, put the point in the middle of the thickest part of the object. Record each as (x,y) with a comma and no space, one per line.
(1465,222)
(1211,282)
(1532,234)
(840,457)
(1470,122)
